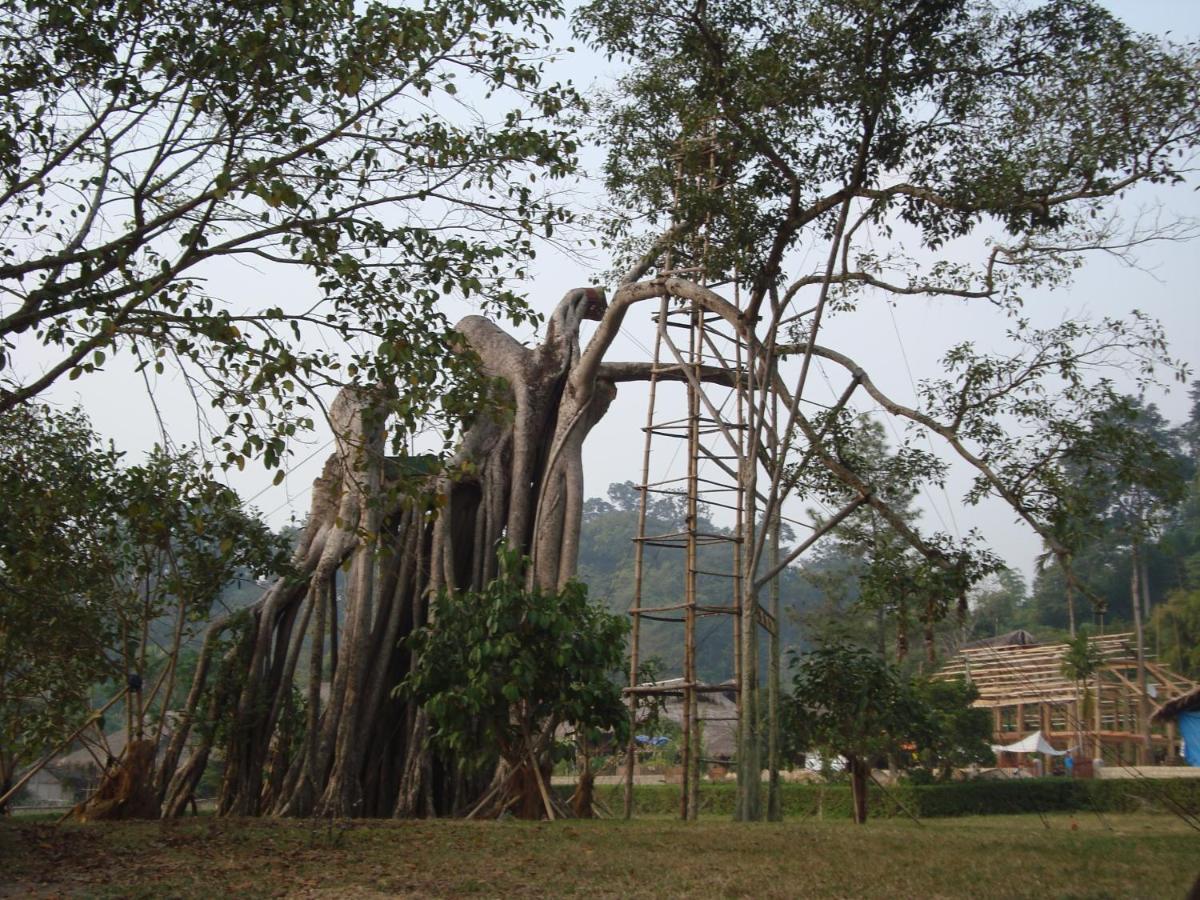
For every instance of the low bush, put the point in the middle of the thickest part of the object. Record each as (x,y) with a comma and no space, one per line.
(964,798)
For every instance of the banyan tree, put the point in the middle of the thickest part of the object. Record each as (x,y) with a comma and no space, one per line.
(517,477)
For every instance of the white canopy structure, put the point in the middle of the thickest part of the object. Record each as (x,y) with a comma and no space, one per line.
(1032,743)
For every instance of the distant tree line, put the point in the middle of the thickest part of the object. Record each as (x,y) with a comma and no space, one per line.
(1166,570)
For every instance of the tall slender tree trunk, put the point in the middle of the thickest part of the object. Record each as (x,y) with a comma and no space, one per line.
(1144,584)
(1070,605)
(774,790)
(1145,748)
(1147,605)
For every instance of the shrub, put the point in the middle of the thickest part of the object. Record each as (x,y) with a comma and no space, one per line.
(962,798)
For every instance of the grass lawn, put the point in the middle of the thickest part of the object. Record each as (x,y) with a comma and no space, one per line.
(1154,856)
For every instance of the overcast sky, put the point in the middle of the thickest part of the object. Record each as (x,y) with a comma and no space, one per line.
(899,346)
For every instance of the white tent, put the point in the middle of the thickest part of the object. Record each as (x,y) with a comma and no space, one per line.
(1033,743)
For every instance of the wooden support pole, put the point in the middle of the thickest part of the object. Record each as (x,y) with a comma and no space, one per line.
(774,799)
(1044,726)
(1145,755)
(639,549)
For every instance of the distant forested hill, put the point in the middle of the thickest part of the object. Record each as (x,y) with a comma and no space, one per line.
(606,565)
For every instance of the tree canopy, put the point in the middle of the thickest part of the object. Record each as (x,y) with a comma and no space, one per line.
(938,115)
(391,151)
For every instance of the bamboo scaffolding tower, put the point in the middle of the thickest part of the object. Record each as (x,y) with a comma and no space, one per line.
(713,438)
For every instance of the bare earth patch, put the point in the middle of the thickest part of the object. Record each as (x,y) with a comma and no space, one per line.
(1151,856)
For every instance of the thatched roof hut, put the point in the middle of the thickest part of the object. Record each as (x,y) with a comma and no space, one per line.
(717,711)
(1184,712)
(1173,708)
(1018,638)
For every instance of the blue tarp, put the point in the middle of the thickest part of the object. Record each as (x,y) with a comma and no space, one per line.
(1189,730)
(652,741)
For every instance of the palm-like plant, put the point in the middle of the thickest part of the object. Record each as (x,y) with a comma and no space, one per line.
(1081,662)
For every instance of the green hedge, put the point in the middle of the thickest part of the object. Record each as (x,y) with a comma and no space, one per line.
(966,798)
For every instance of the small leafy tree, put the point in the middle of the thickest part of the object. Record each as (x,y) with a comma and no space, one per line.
(106,573)
(1081,663)
(56,523)
(1132,475)
(849,702)
(1082,659)
(183,538)
(499,671)
(955,733)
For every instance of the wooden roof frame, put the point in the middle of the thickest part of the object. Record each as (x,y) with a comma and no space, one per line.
(1014,675)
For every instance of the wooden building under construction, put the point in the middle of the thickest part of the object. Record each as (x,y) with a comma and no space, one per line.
(1022,682)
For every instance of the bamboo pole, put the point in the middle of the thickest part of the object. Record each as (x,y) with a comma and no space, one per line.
(639,551)
(774,791)
(774,800)
(45,760)
(691,737)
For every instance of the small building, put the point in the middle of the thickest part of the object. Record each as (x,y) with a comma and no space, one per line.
(1018,638)
(45,788)
(1183,712)
(1024,686)
(716,709)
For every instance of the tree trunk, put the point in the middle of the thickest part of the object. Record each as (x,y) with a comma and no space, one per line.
(774,789)
(1070,604)
(7,776)
(526,792)
(1144,754)
(1147,606)
(583,800)
(517,477)
(126,791)
(859,770)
